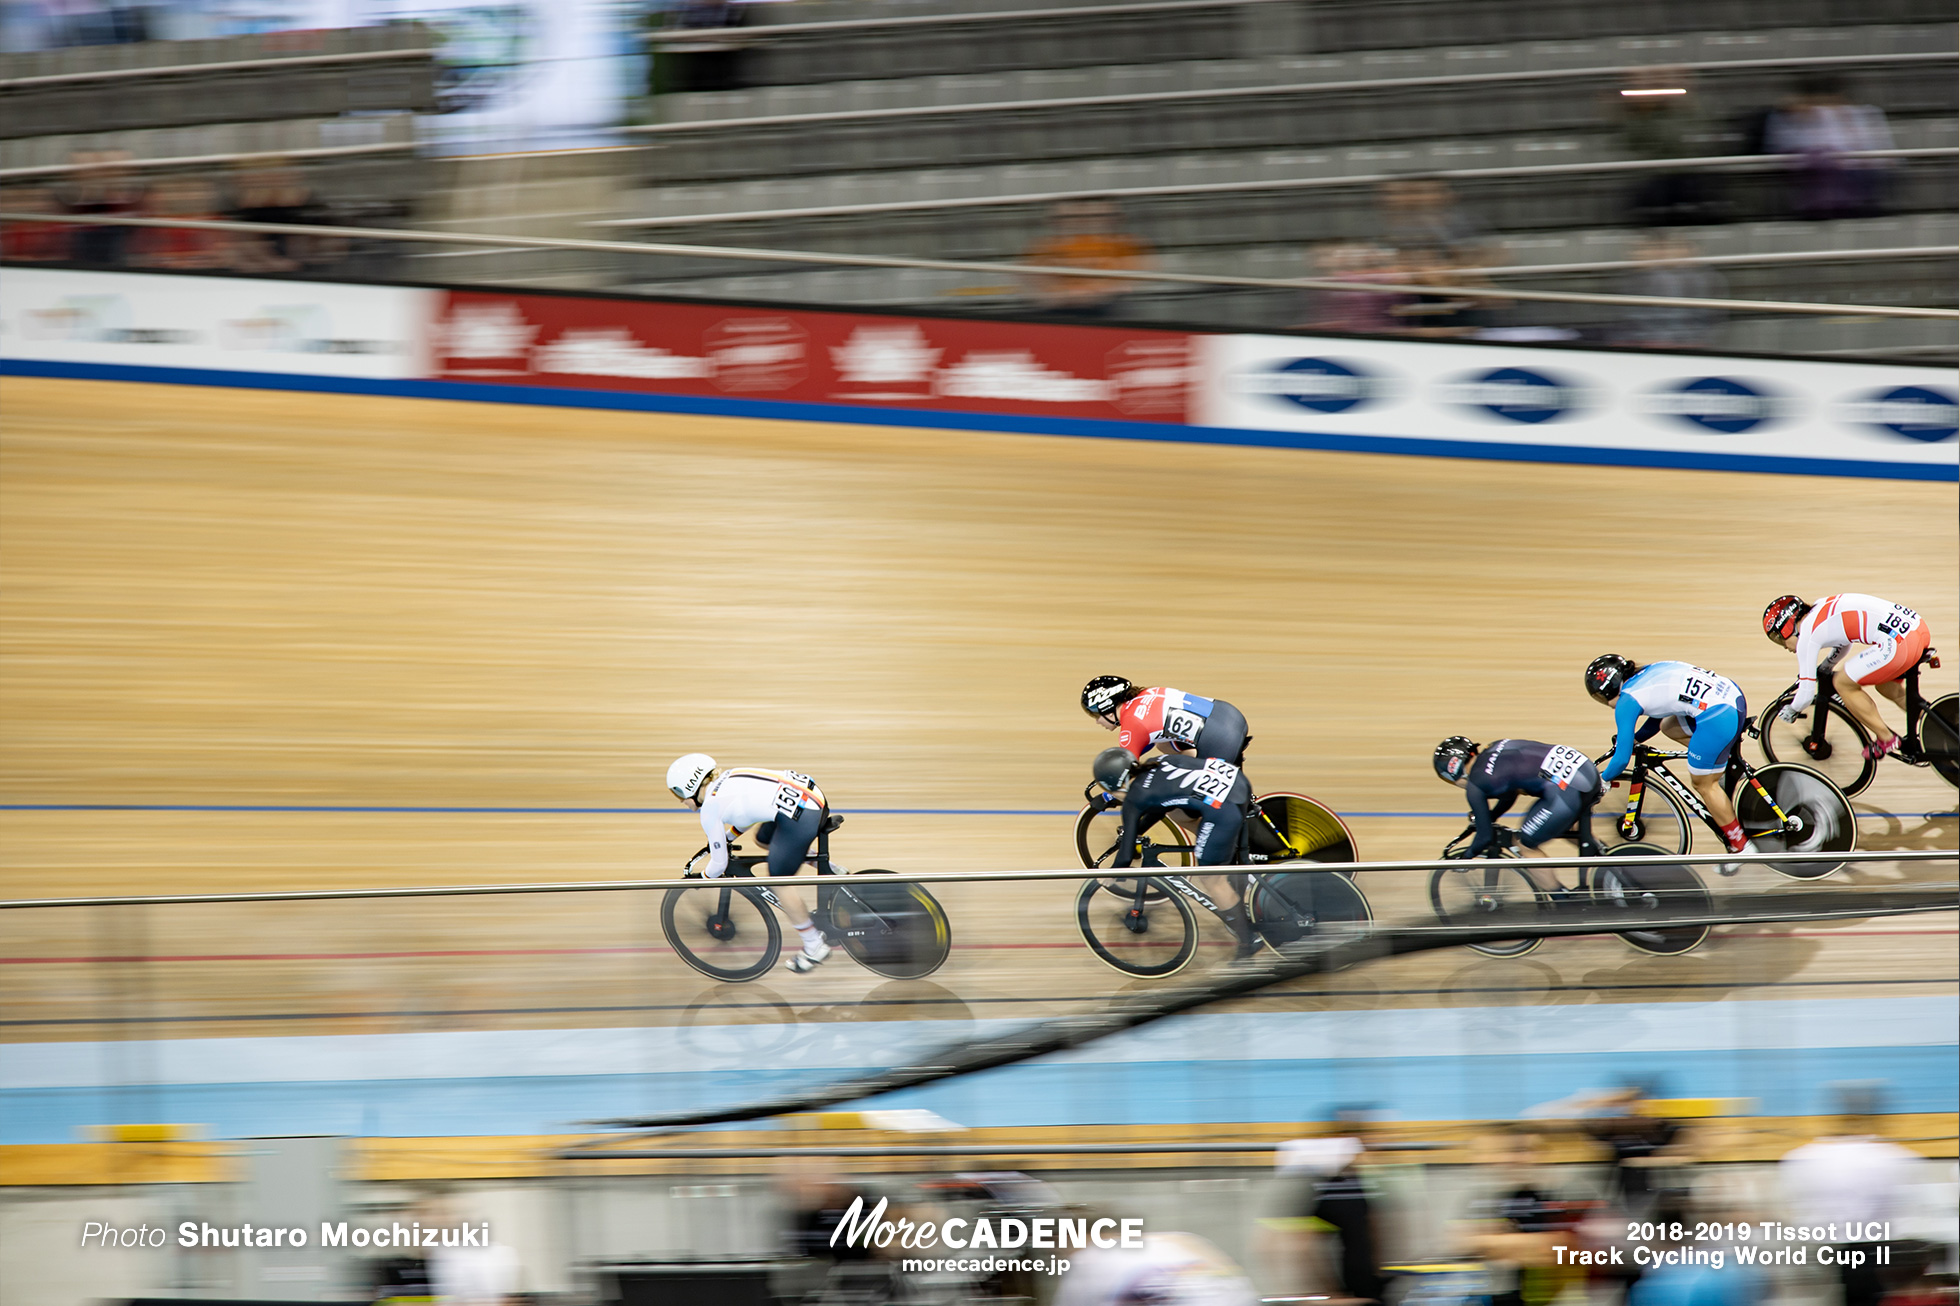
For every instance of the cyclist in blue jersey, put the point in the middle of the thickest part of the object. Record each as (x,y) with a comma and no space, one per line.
(1692,706)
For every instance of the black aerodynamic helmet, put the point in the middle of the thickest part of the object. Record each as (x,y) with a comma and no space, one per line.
(1112,768)
(1780,618)
(1453,757)
(1606,675)
(1105,694)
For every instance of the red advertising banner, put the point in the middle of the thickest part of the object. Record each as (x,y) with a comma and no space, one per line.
(1113,373)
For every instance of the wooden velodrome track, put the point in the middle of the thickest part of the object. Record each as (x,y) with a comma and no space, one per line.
(233,608)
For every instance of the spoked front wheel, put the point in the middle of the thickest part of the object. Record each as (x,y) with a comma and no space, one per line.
(897,930)
(1816,818)
(1482,892)
(1656,817)
(723,930)
(1160,843)
(1137,926)
(1839,756)
(1653,891)
(1301,903)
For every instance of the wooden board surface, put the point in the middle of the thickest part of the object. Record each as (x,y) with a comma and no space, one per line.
(228,599)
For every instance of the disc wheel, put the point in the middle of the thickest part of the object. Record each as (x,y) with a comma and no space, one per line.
(1659,818)
(723,930)
(1137,934)
(897,930)
(1820,815)
(1839,756)
(1312,831)
(1297,904)
(1654,891)
(1939,735)
(1487,888)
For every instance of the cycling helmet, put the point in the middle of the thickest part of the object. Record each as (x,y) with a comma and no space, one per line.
(1112,768)
(686,776)
(1606,674)
(1453,757)
(1780,618)
(1105,694)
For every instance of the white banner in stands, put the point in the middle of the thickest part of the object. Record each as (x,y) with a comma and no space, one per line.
(1580,405)
(309,328)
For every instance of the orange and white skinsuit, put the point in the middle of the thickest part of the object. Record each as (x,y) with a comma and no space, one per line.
(1895,636)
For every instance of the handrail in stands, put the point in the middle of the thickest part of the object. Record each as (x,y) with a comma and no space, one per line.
(224,66)
(742,254)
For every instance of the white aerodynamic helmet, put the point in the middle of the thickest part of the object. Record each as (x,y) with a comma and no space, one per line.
(686,776)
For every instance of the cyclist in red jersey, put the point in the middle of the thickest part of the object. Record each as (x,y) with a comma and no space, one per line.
(1894,637)
(1169,719)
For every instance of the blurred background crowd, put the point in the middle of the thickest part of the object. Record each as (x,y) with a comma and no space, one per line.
(1749,150)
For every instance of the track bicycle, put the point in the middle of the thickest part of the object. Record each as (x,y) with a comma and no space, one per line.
(1146,925)
(1496,885)
(730,931)
(1931,737)
(1783,807)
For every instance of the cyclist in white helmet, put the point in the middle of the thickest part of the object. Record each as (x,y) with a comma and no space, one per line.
(786,804)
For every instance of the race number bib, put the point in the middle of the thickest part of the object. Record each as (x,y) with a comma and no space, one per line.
(1182,725)
(789,799)
(1701,687)
(1898,621)
(1562,764)
(1214,782)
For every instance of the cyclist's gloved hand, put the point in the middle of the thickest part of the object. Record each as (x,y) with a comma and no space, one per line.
(1788,714)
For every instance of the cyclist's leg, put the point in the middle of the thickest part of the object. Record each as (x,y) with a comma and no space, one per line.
(1882,666)
(1714,739)
(1548,818)
(789,845)
(1218,840)
(1224,734)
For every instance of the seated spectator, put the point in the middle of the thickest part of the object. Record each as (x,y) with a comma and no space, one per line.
(1422,215)
(34,242)
(101,184)
(1825,129)
(1436,315)
(1086,234)
(181,249)
(272,192)
(1365,310)
(1666,270)
(1660,118)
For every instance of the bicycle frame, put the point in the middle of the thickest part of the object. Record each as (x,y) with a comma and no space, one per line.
(1649,760)
(742,865)
(1909,744)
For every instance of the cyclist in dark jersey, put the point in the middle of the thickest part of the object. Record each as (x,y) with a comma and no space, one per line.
(1563,780)
(1210,789)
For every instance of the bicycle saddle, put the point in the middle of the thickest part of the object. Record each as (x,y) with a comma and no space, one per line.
(831,821)
(1930,658)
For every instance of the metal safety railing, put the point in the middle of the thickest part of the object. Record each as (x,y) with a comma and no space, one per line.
(993,877)
(1199,189)
(822,259)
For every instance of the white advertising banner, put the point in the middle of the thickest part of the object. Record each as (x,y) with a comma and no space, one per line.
(307,328)
(1582,405)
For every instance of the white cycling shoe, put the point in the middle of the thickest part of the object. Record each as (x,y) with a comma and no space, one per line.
(1730,868)
(811,957)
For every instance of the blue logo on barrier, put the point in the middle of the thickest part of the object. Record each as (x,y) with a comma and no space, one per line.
(1717,403)
(1516,395)
(1916,412)
(1320,385)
